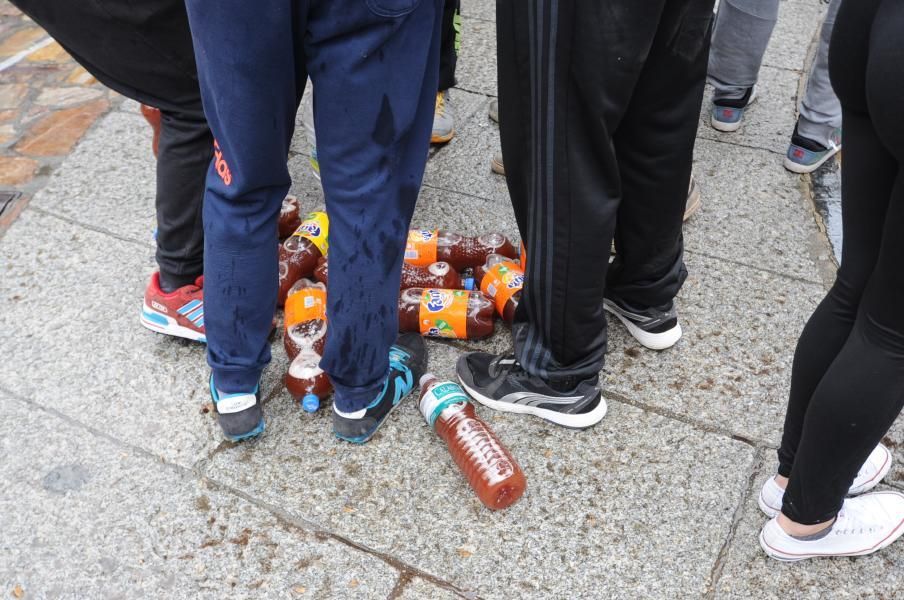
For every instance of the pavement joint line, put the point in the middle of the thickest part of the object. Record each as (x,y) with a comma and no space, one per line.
(401,583)
(440,188)
(756,268)
(88,226)
(482,19)
(285,518)
(715,574)
(736,144)
(754,443)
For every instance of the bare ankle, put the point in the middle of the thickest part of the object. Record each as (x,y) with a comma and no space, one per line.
(781,481)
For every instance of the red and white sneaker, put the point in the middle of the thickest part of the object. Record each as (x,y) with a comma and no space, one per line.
(179,313)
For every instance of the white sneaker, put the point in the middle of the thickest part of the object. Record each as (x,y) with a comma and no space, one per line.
(864,525)
(871,473)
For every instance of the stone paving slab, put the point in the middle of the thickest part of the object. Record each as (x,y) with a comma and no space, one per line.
(753,211)
(769,122)
(749,573)
(69,305)
(731,368)
(478,9)
(84,517)
(798,23)
(593,499)
(119,197)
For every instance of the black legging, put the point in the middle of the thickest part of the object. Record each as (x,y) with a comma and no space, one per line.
(847,382)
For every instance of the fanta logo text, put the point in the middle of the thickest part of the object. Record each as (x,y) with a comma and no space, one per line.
(312,228)
(515,280)
(437,300)
(420,235)
(220,164)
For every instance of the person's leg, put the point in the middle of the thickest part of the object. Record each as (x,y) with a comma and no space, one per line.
(186,148)
(567,73)
(374,70)
(147,55)
(250,88)
(444,111)
(655,147)
(859,396)
(817,134)
(740,35)
(868,176)
(820,111)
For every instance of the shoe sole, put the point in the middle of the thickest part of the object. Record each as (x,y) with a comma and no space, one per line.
(653,341)
(160,323)
(497,167)
(804,169)
(694,202)
(579,421)
(787,557)
(247,436)
(442,139)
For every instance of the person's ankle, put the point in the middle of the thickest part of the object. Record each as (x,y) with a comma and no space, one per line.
(802,531)
(781,481)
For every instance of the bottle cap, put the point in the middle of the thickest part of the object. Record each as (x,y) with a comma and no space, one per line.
(310,403)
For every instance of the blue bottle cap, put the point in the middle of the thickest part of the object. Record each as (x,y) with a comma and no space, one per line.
(468,283)
(310,403)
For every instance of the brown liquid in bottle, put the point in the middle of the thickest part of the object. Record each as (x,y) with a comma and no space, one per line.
(427,246)
(289,217)
(502,284)
(297,258)
(446,313)
(488,466)
(436,275)
(304,339)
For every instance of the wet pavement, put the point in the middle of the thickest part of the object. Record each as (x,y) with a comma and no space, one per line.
(118,483)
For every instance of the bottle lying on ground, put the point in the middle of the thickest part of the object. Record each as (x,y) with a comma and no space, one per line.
(305,335)
(298,255)
(427,246)
(435,312)
(289,217)
(501,279)
(488,466)
(436,275)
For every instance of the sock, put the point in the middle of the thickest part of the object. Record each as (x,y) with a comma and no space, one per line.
(734,102)
(171,283)
(815,536)
(798,140)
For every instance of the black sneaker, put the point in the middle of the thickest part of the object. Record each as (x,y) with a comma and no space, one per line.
(407,362)
(656,328)
(500,383)
(240,415)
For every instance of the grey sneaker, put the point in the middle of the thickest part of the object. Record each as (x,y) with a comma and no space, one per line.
(693,199)
(494,110)
(656,328)
(443,119)
(500,383)
(728,113)
(805,155)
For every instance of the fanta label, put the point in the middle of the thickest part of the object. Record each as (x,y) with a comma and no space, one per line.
(502,281)
(306,304)
(421,247)
(316,229)
(444,313)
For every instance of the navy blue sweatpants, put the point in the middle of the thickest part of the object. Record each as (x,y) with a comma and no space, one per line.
(374,65)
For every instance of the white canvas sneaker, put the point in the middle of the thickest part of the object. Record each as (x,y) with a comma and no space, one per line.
(871,473)
(864,525)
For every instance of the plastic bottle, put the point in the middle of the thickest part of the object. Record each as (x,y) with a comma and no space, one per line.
(501,279)
(299,254)
(435,312)
(289,217)
(522,258)
(427,246)
(305,335)
(489,467)
(437,275)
